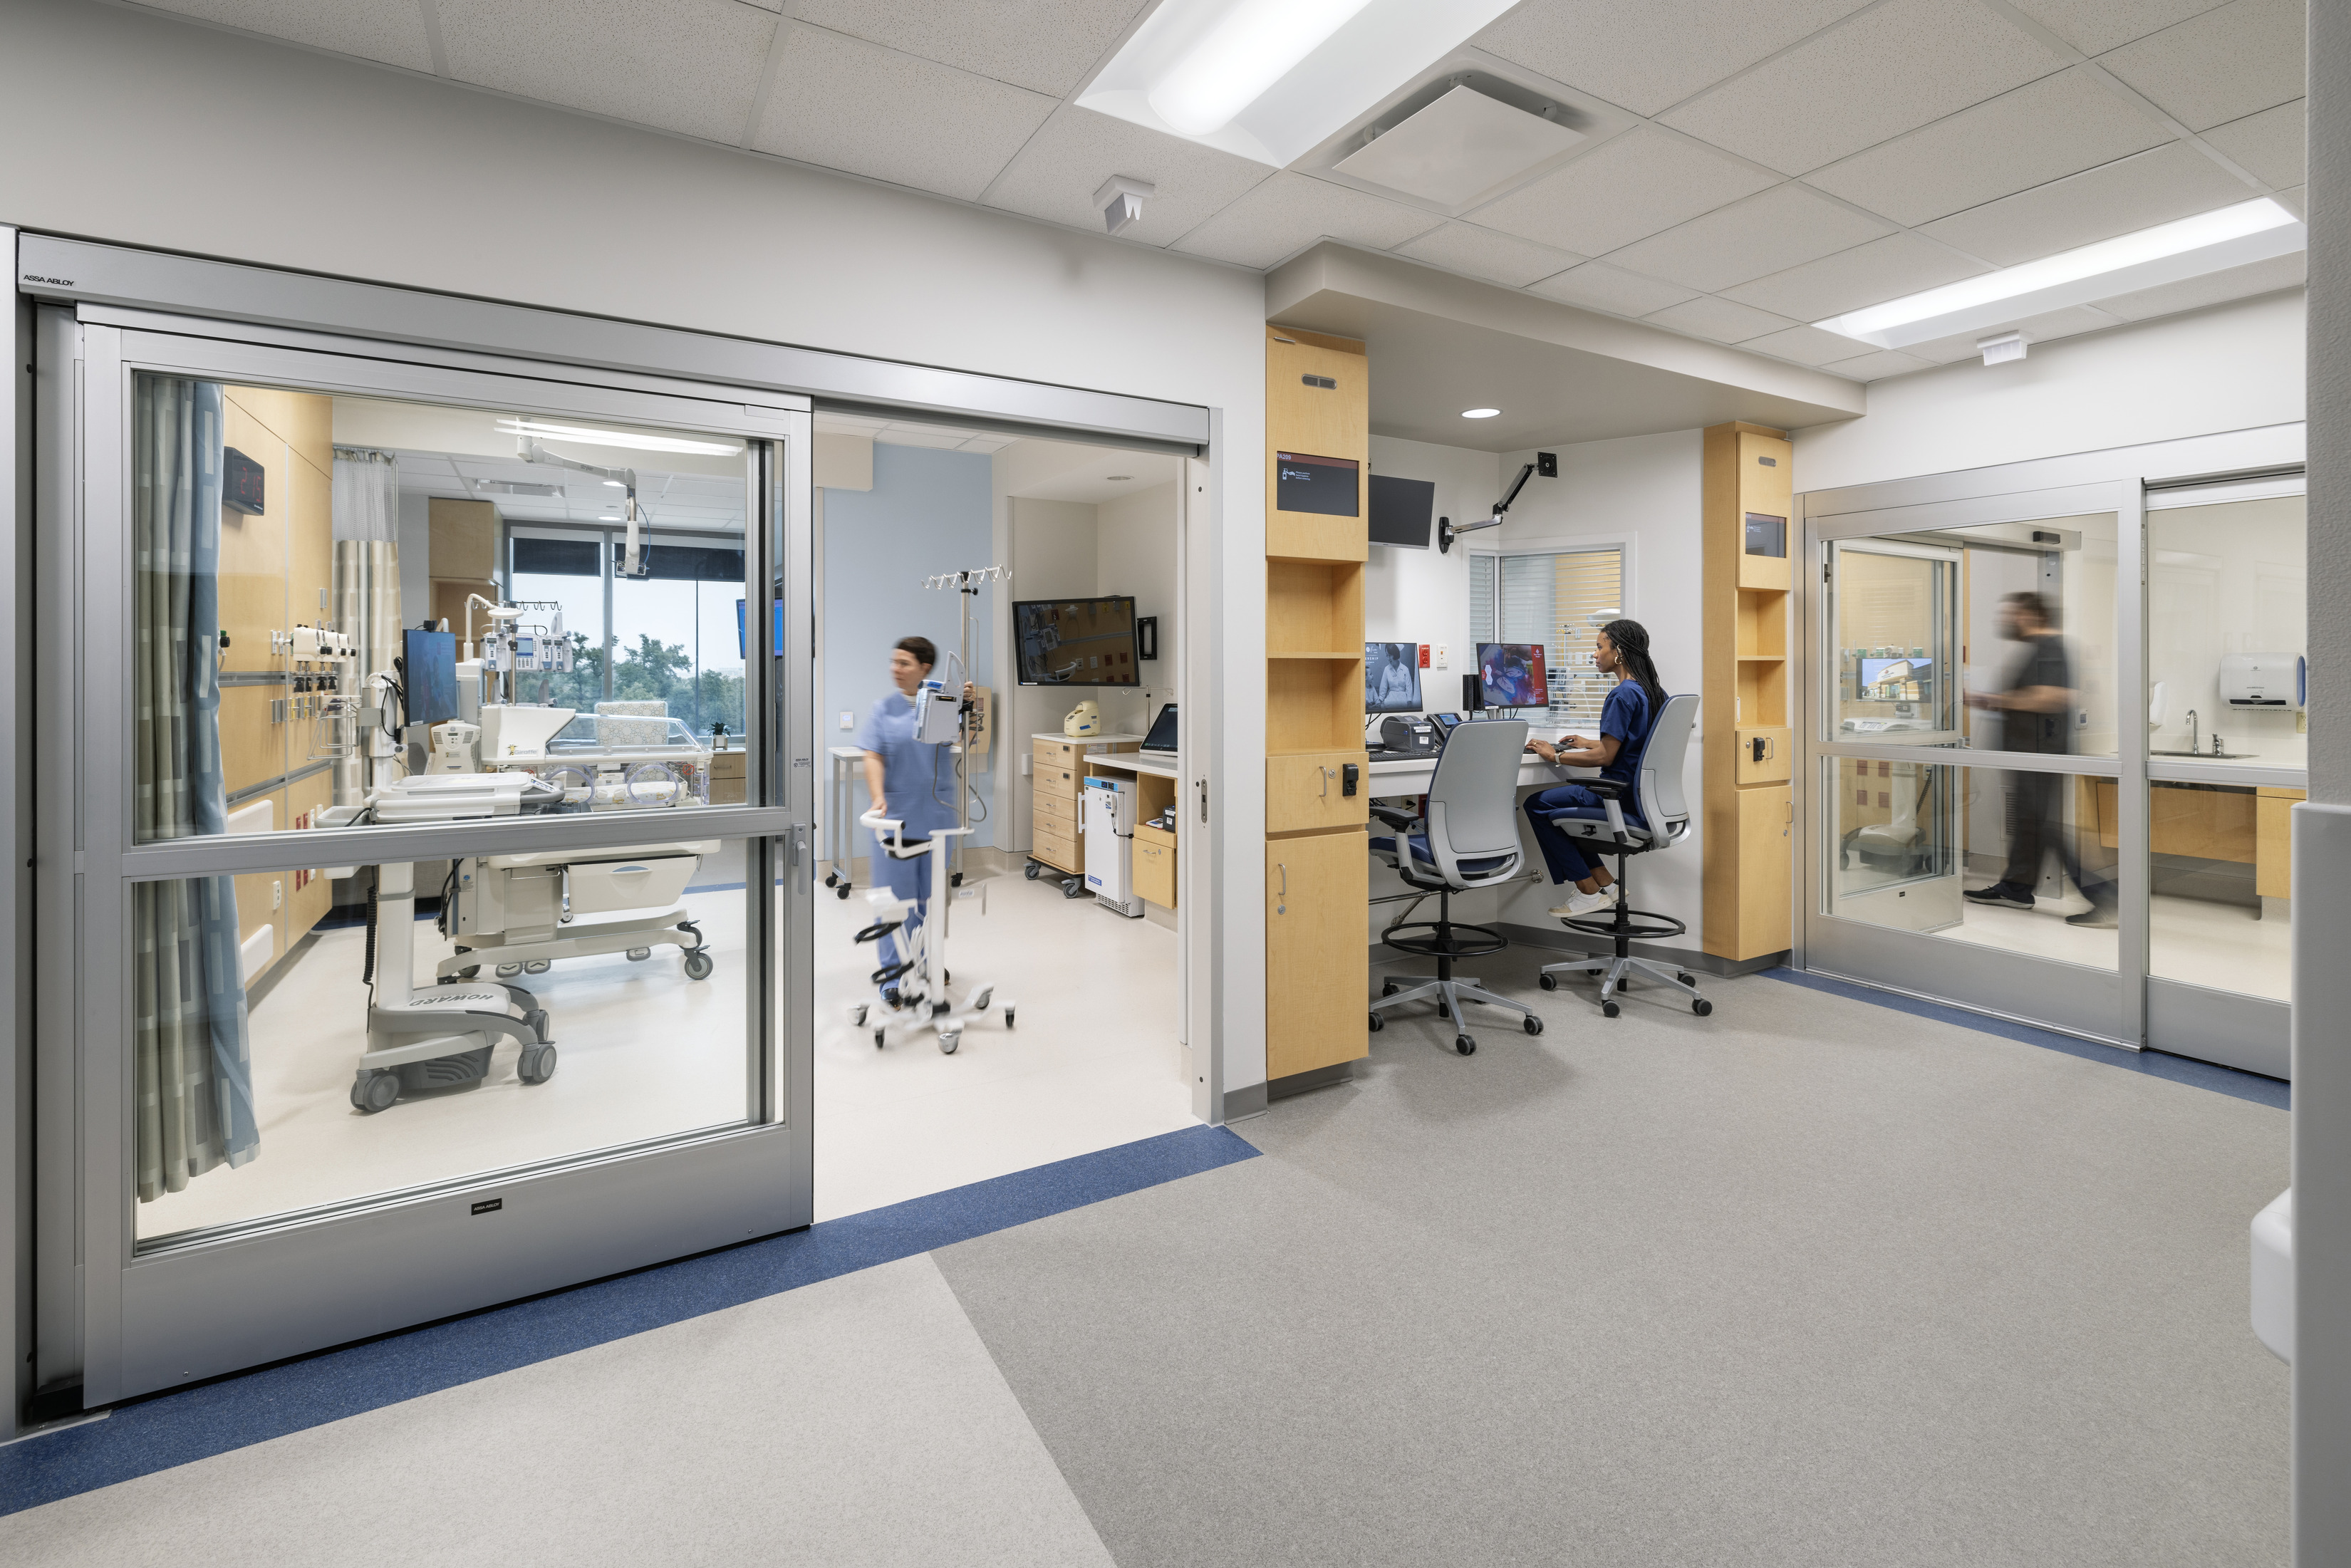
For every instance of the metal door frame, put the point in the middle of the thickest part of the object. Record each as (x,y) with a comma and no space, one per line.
(128,1321)
(2129,1009)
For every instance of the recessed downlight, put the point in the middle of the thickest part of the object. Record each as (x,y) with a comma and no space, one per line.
(1120,479)
(1479,412)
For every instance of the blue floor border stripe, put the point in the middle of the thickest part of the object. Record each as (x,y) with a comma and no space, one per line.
(2253,1086)
(193,1424)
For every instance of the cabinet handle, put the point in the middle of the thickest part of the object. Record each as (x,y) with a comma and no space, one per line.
(1326,783)
(1282,904)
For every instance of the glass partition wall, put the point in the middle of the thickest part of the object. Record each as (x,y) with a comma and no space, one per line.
(432,953)
(2041,794)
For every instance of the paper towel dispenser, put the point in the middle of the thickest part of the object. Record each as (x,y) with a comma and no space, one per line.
(2264,680)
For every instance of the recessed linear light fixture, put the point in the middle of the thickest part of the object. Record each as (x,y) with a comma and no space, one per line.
(1479,412)
(2190,248)
(1269,79)
(585,436)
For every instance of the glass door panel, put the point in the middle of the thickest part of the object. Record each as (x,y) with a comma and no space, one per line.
(1896,653)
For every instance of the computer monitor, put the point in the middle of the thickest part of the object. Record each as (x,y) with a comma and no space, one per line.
(1390,677)
(1076,642)
(1401,510)
(1162,732)
(1512,674)
(429,670)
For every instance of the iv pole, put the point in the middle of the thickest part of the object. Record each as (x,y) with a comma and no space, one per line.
(965,586)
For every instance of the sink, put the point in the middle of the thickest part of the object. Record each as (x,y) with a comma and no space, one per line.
(2208,756)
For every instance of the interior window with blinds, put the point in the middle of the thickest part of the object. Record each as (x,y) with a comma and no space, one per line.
(1559,599)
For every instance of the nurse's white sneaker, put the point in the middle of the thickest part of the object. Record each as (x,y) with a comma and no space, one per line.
(1582,904)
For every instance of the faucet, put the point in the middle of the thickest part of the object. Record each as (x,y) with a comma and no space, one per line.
(2216,742)
(2191,732)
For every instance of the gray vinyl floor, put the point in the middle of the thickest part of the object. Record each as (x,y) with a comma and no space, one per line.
(1810,1282)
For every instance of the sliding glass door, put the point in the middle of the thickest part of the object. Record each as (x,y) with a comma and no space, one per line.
(421,966)
(2056,737)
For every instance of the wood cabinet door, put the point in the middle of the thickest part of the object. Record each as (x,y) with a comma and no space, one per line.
(1310,791)
(1317,956)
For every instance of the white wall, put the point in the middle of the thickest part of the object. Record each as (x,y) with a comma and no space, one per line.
(1423,596)
(1134,553)
(1643,492)
(2233,367)
(1052,554)
(336,167)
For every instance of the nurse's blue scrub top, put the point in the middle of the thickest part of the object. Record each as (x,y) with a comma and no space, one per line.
(913,776)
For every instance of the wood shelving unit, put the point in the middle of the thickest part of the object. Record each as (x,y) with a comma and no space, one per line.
(1750,551)
(1317,863)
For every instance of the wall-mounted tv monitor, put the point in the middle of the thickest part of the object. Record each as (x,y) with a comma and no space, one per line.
(1306,484)
(1076,642)
(1401,510)
(1390,677)
(1512,674)
(428,663)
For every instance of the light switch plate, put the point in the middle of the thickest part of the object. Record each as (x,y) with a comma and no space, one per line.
(1441,661)
(848,720)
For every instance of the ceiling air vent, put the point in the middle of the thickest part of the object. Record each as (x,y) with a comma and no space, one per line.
(1460,145)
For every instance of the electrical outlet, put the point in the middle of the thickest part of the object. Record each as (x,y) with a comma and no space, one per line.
(276,895)
(1441,661)
(848,720)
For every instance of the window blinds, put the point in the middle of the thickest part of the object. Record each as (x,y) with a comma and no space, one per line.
(1551,599)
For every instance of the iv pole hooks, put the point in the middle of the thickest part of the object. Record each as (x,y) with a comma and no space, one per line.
(965,585)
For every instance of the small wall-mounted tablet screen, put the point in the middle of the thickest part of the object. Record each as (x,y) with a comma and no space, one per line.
(1767,534)
(1324,484)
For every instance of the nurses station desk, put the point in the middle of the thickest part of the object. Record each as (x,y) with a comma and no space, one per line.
(1412,775)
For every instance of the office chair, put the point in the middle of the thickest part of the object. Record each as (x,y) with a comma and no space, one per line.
(1468,839)
(1658,775)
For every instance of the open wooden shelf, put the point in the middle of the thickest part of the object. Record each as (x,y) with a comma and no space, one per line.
(1749,838)
(1321,654)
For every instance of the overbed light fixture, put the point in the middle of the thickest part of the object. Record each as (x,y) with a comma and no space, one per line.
(585,436)
(2190,247)
(1269,79)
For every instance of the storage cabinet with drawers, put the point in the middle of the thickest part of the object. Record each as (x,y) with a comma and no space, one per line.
(1058,763)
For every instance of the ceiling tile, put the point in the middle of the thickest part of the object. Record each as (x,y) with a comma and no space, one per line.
(2214,289)
(2040,328)
(2132,193)
(1806,345)
(393,35)
(1882,269)
(1056,175)
(2043,131)
(1046,45)
(2296,201)
(1627,187)
(847,104)
(1763,234)
(2094,27)
(1651,55)
(2222,65)
(1482,253)
(689,66)
(1290,212)
(1888,70)
(1720,319)
(1877,366)
(1597,285)
(2269,143)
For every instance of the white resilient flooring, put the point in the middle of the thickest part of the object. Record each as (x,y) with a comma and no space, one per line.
(646,1053)
(2225,947)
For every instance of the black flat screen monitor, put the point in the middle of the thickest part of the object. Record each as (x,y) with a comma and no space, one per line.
(1162,732)
(1512,674)
(1076,642)
(1302,482)
(1390,677)
(429,669)
(1401,510)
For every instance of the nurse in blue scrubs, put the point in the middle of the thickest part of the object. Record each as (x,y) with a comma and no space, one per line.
(907,781)
(1620,649)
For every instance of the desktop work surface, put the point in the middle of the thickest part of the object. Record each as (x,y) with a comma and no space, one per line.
(1412,775)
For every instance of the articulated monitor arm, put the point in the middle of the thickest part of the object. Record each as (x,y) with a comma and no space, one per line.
(530,451)
(1447,530)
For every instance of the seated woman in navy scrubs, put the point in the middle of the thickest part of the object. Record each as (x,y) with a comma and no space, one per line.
(1622,650)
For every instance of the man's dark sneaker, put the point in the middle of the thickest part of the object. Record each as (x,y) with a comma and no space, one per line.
(2002,894)
(2097,918)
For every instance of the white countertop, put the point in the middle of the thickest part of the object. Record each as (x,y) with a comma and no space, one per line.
(1135,762)
(1412,775)
(1083,740)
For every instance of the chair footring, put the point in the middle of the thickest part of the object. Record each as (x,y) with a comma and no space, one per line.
(1642,923)
(1441,943)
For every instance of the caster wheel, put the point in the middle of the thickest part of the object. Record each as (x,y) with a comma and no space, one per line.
(1007,1015)
(987,995)
(699,965)
(857,1015)
(537,1064)
(877,1039)
(1390,989)
(1548,982)
(373,1091)
(1533,1024)
(1030,870)
(1465,1045)
(947,1043)
(955,879)
(833,879)
(537,966)
(1072,888)
(1609,1009)
(1626,984)
(844,892)
(639,955)
(1684,979)
(469,971)
(1378,1023)
(1701,1007)
(539,1023)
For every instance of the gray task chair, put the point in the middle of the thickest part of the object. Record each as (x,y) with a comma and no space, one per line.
(1468,839)
(1658,778)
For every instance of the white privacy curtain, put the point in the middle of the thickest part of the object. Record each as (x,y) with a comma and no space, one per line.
(367,495)
(194,1077)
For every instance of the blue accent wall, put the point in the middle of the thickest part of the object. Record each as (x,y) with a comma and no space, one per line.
(930,511)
